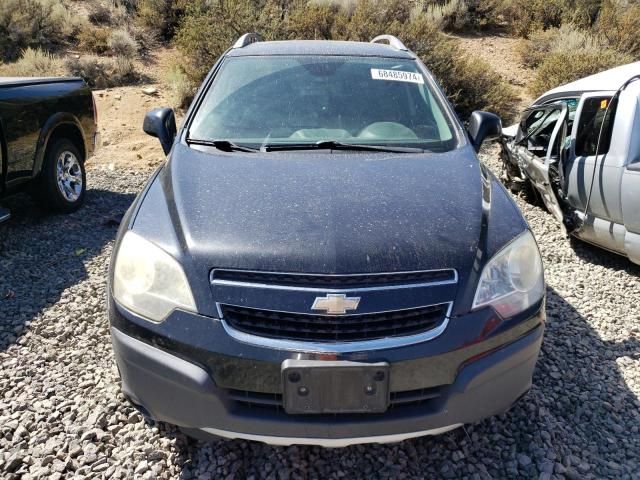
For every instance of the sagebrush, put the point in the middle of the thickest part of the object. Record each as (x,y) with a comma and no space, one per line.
(103,73)
(209,27)
(34,63)
(563,66)
(44,24)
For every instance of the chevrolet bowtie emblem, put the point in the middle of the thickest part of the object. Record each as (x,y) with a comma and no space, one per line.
(335,304)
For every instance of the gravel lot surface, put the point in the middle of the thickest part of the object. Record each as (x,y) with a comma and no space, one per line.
(62,416)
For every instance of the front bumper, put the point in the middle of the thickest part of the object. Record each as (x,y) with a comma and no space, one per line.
(179,384)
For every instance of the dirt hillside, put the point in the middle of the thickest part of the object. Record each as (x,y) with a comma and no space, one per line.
(501,54)
(120,115)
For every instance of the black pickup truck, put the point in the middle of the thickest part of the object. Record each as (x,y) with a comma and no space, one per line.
(48,128)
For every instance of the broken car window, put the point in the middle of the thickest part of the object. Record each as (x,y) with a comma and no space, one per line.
(538,127)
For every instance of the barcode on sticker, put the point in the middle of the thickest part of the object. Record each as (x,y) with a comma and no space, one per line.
(396,75)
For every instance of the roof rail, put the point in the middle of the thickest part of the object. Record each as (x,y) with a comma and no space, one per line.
(394,42)
(247,39)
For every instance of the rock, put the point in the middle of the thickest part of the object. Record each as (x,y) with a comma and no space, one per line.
(142,467)
(60,465)
(149,90)
(99,467)
(14,462)
(524,460)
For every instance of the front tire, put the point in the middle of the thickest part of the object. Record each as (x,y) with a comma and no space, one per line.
(63,180)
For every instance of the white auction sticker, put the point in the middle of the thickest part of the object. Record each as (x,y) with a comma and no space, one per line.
(396,75)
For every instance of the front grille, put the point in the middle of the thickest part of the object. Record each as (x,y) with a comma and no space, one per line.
(331,328)
(274,401)
(335,281)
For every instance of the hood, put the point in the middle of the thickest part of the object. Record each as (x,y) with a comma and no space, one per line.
(325,212)
(510,131)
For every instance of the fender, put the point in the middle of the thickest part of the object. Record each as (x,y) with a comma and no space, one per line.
(53,122)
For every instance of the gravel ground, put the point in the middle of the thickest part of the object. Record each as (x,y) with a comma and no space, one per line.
(61,413)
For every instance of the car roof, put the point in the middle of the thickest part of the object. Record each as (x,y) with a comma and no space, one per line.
(607,80)
(320,47)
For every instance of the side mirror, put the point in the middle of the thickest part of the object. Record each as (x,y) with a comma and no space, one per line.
(161,123)
(483,126)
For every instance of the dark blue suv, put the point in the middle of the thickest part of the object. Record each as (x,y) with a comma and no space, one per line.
(323,259)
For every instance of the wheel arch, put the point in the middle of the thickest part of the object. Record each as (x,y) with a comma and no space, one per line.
(60,125)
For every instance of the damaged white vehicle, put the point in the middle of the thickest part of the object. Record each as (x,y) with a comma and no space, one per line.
(578,146)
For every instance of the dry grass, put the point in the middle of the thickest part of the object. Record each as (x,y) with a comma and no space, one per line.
(34,63)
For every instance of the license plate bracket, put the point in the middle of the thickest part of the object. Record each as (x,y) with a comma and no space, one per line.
(317,386)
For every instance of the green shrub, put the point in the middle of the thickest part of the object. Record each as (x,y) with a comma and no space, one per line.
(128,5)
(33,63)
(100,14)
(33,23)
(121,43)
(525,17)
(90,68)
(564,66)
(94,39)
(619,25)
(583,13)
(103,73)
(273,21)
(541,43)
(469,83)
(532,51)
(145,39)
(182,89)
(123,71)
(209,27)
(370,18)
(316,22)
(120,15)
(451,16)
(161,16)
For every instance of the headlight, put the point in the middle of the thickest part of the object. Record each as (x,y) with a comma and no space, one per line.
(513,279)
(149,281)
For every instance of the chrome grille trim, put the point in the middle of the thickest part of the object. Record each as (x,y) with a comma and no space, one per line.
(216,281)
(343,347)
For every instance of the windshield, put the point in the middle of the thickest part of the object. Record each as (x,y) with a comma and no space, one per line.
(284,100)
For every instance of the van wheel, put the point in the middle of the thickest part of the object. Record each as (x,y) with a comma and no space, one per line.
(63,181)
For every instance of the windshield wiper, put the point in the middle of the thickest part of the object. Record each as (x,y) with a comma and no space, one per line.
(335,145)
(224,145)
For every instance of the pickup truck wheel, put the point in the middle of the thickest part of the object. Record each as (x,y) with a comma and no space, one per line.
(63,179)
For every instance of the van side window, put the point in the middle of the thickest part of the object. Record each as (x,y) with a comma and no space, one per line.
(589,125)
